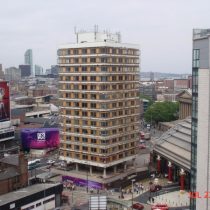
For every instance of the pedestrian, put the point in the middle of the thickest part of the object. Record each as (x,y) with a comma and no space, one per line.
(149,198)
(153,200)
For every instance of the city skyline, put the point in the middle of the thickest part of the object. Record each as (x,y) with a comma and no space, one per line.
(49,24)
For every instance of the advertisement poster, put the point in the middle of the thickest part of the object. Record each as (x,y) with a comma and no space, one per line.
(4,101)
(40,138)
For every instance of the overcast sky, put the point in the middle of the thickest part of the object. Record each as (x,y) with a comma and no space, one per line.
(163,28)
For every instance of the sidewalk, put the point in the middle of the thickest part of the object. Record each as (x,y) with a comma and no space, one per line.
(174,199)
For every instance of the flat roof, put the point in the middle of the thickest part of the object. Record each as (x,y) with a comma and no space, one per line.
(24,192)
(98,44)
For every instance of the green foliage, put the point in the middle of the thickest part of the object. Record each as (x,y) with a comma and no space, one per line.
(162,112)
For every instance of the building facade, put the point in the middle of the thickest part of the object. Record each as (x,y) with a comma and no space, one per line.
(99,101)
(38,70)
(12,74)
(28,58)
(25,70)
(200,159)
(185,103)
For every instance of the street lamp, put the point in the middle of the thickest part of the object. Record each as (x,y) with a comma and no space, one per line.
(133,180)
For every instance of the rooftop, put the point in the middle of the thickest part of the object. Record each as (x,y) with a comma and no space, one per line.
(201,33)
(175,144)
(24,192)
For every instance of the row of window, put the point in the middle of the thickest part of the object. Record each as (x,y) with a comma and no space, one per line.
(7,135)
(103,132)
(105,87)
(97,158)
(98,150)
(117,122)
(103,96)
(87,60)
(102,115)
(92,105)
(102,142)
(109,68)
(101,50)
(115,78)
(39,204)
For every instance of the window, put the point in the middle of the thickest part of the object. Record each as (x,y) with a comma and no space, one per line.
(196,58)
(84,68)
(104,133)
(92,51)
(84,87)
(104,124)
(93,123)
(84,140)
(93,141)
(93,114)
(104,68)
(93,60)
(104,115)
(93,132)
(92,68)
(85,148)
(104,106)
(38,204)
(93,87)
(49,200)
(93,105)
(93,78)
(76,147)
(84,105)
(84,131)
(84,96)
(93,96)
(93,149)
(104,78)
(84,157)
(84,51)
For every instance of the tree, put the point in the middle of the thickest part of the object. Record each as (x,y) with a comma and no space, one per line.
(162,112)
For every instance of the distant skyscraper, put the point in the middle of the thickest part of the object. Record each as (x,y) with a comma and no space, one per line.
(29,59)
(38,70)
(12,74)
(152,76)
(25,70)
(1,72)
(200,149)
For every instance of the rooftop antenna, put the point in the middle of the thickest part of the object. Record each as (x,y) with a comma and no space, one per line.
(75,31)
(95,30)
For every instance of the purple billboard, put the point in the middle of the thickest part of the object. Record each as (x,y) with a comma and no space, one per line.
(40,138)
(83,182)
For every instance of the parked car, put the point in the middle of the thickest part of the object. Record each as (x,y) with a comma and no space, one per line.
(142,146)
(50,162)
(147,136)
(160,207)
(137,206)
(141,135)
(141,141)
